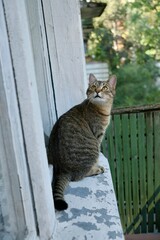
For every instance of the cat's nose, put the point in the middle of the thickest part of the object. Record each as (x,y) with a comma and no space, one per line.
(98,90)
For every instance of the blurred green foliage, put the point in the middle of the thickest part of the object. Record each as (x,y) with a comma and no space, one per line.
(127,37)
(136,85)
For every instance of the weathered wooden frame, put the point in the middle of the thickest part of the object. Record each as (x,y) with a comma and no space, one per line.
(30,204)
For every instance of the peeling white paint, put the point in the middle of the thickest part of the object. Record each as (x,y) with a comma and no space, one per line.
(92,212)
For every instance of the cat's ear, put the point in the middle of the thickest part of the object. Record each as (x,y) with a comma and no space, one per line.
(113,81)
(92,78)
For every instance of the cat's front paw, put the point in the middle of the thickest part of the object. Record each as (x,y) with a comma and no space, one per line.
(101,169)
(95,170)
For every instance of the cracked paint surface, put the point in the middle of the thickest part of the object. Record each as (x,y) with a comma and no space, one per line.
(92,212)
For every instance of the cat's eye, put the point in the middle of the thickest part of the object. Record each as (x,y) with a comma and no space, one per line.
(93,87)
(105,87)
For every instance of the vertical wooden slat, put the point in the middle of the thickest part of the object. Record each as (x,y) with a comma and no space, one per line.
(120,171)
(142,170)
(127,172)
(149,143)
(157,167)
(134,162)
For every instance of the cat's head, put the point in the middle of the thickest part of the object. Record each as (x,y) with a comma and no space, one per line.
(101,91)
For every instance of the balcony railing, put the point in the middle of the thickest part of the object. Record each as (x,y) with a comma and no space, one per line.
(132,145)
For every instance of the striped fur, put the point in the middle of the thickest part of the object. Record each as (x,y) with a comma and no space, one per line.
(75,139)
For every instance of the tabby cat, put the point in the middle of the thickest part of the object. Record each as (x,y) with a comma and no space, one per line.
(74,143)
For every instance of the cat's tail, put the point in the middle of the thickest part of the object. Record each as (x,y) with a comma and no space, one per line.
(58,187)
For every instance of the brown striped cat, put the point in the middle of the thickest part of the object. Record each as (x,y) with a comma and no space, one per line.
(76,137)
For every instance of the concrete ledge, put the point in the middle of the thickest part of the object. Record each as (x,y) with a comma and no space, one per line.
(92,212)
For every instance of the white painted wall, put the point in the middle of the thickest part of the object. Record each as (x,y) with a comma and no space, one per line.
(99,69)
(57,43)
(42,75)
(64,33)
(42,63)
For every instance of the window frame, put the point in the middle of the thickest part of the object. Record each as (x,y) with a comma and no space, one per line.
(27,185)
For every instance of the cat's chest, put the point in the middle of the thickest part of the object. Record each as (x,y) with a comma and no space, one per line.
(99,127)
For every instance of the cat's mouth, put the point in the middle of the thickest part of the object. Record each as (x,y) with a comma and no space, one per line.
(97,96)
